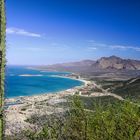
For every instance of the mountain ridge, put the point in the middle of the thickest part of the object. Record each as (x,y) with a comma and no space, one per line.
(104,63)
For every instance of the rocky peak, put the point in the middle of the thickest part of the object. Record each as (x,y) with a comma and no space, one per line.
(114,62)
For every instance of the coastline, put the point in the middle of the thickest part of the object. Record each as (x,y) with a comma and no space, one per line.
(70,90)
(19,109)
(80,79)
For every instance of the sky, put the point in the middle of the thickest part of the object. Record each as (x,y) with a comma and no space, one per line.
(42,32)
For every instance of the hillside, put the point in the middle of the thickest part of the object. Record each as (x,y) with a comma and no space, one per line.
(126,89)
(129,88)
(71,66)
(104,63)
(105,67)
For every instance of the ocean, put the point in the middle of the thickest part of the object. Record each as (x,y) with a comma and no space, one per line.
(21,81)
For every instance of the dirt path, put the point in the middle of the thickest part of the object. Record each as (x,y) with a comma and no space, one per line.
(105,92)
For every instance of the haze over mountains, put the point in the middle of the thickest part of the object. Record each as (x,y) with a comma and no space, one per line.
(102,64)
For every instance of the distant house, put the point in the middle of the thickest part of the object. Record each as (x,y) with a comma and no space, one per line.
(76,76)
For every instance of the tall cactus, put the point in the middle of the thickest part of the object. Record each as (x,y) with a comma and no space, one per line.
(2,59)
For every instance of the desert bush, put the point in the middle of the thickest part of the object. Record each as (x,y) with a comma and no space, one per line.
(118,121)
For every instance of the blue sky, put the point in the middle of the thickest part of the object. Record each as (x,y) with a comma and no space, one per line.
(41,32)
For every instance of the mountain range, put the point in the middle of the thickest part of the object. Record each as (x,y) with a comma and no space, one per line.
(102,64)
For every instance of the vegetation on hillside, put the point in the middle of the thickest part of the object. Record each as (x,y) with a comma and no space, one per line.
(112,121)
(128,89)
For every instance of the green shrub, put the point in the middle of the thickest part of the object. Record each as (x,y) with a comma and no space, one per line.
(118,121)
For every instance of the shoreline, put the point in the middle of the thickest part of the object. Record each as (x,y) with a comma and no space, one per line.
(23,107)
(80,79)
(75,88)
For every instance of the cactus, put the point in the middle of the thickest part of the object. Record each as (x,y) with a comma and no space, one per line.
(2,59)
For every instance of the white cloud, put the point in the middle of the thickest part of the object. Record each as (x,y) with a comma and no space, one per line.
(117,47)
(121,47)
(95,45)
(18,31)
(92,48)
(59,45)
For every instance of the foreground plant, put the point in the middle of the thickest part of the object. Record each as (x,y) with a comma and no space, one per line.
(117,121)
(2,59)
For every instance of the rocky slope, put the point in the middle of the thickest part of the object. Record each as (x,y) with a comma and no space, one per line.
(118,63)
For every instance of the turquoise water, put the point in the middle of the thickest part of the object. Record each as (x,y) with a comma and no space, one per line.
(46,82)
